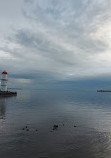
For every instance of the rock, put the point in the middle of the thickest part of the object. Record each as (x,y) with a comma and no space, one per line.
(55,127)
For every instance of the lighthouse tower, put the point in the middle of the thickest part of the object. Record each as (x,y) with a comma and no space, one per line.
(4,81)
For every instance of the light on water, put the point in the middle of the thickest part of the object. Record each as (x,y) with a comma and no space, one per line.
(83,119)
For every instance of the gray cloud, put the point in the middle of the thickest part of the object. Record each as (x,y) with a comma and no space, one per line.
(60,40)
(73,19)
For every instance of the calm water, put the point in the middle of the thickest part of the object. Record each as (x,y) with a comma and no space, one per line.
(39,110)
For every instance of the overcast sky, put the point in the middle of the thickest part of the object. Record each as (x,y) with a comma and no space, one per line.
(62,40)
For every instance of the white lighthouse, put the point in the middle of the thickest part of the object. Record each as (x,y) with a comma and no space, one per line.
(4,81)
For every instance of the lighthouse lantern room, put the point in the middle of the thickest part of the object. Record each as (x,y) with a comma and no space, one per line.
(4,81)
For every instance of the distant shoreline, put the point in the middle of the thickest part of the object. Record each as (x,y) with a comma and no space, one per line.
(101,90)
(16,88)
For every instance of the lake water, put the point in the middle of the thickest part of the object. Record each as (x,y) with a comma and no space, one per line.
(83,119)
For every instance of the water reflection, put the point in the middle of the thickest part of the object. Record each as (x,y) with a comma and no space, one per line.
(3,108)
(40,110)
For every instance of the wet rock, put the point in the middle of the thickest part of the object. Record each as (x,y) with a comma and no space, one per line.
(55,127)
(23,128)
(75,126)
(27,129)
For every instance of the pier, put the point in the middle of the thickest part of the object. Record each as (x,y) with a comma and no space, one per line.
(7,93)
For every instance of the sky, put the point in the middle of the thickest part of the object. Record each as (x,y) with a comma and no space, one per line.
(44,41)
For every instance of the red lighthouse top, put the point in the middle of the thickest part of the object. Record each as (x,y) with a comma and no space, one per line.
(4,72)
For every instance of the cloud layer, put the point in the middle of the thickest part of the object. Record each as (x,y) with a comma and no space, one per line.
(59,40)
